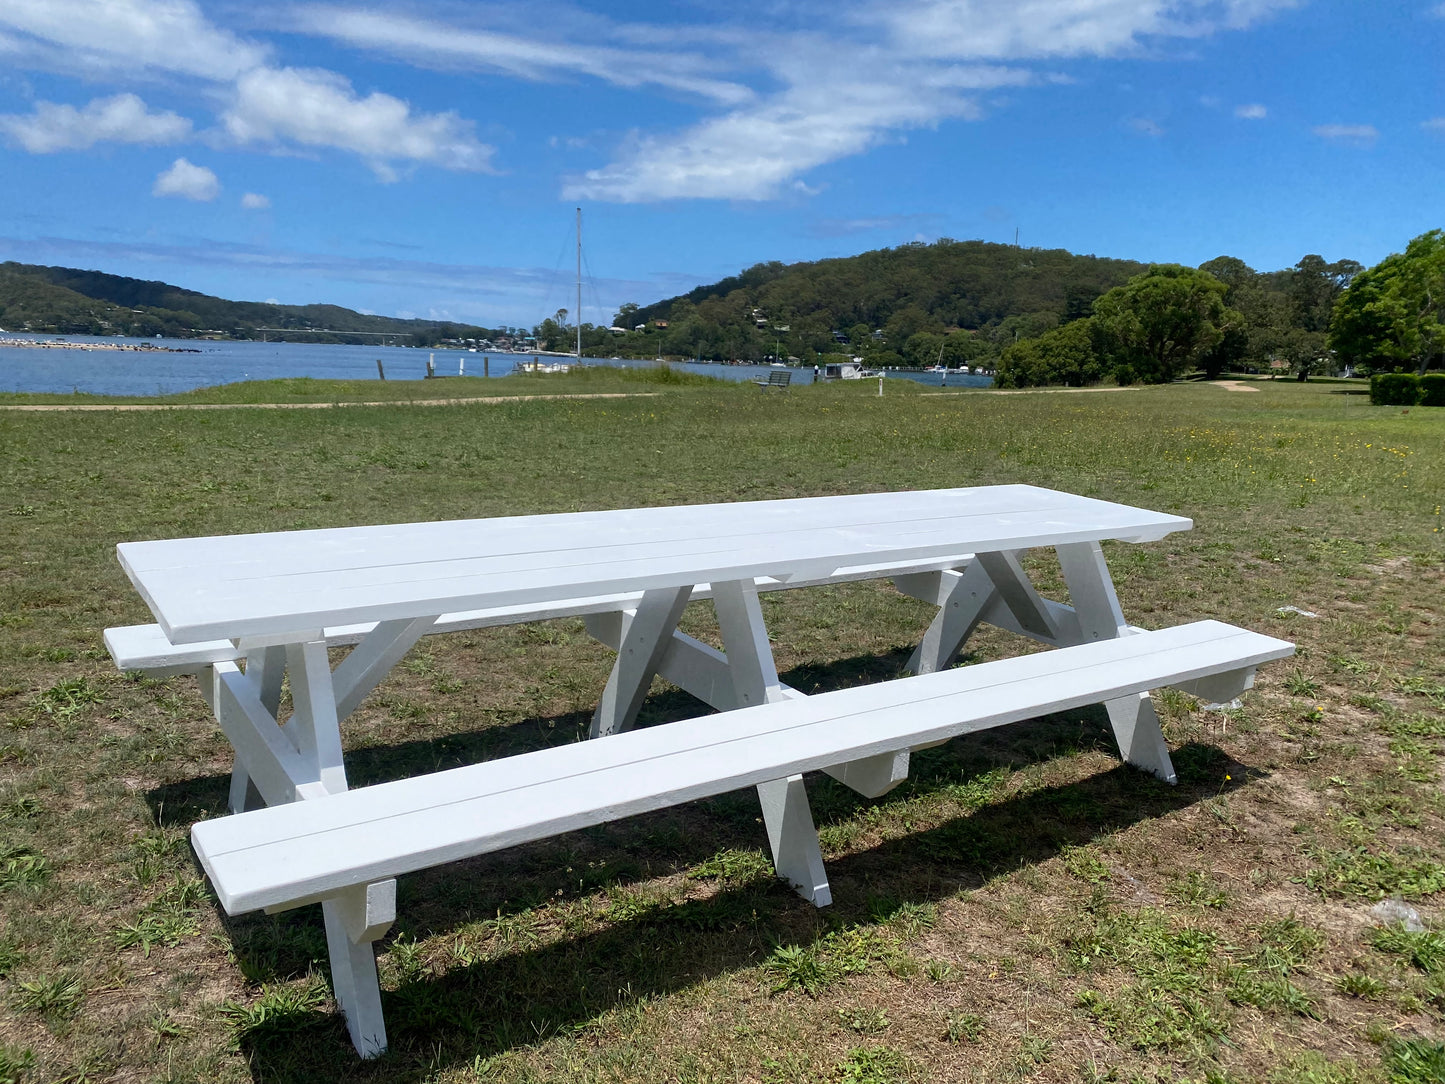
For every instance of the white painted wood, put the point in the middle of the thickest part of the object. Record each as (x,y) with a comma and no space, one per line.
(372,659)
(354,985)
(313,726)
(644,637)
(1096,606)
(873,776)
(265,673)
(272,763)
(745,640)
(1017,592)
(312,849)
(1220,688)
(367,911)
(273,585)
(793,839)
(963,597)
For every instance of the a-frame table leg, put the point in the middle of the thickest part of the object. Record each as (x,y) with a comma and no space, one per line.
(1135,723)
(646,636)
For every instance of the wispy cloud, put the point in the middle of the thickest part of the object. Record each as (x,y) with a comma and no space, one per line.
(127,35)
(1145,126)
(311,108)
(1251,112)
(121,119)
(1355,135)
(848,227)
(431,43)
(1434,124)
(187,181)
(254,201)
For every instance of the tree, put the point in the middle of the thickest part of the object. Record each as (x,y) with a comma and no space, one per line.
(1160,324)
(626,316)
(1394,313)
(1065,355)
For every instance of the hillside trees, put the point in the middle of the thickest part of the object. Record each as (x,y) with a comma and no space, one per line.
(1394,313)
(1065,355)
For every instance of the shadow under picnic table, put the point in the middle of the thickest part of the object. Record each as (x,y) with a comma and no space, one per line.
(527,980)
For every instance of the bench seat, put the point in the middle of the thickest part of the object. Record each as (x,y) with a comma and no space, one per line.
(303,852)
(345,849)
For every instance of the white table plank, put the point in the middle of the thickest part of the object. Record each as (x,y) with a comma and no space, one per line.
(264,585)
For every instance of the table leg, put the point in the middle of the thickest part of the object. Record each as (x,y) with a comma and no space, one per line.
(645,636)
(1135,723)
(265,670)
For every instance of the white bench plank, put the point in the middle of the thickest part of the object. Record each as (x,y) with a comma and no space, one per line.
(303,852)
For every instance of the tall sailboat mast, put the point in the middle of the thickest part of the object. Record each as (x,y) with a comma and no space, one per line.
(579,285)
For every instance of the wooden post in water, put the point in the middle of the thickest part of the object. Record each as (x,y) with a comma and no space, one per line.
(431,365)
(486,366)
(461,366)
(380,372)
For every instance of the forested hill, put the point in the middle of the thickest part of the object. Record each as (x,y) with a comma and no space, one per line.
(973,285)
(66,301)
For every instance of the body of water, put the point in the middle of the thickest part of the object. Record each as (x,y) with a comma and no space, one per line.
(124,372)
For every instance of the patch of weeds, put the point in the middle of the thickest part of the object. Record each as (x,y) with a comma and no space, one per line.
(864,1021)
(733,867)
(1312,1067)
(279,1010)
(15,1063)
(1034,1050)
(964,1027)
(21,807)
(1271,993)
(55,997)
(1088,867)
(624,906)
(803,967)
(873,1065)
(1300,684)
(166,920)
(978,791)
(11,955)
(1148,1017)
(1175,702)
(1415,1061)
(1197,890)
(1357,984)
(1358,872)
(940,971)
(22,867)
(908,920)
(1426,949)
(1285,945)
(66,698)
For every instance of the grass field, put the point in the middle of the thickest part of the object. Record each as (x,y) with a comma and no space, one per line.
(1024,908)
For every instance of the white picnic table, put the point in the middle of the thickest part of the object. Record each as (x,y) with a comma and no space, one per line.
(276,599)
(243,610)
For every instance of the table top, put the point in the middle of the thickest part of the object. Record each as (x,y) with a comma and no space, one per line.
(269,585)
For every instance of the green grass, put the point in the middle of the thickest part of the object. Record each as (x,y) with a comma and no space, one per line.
(1022,907)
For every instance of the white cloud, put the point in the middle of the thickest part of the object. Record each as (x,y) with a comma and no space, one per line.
(254,201)
(1251,112)
(753,153)
(1434,124)
(1145,126)
(187,181)
(840,97)
(431,43)
(1358,135)
(121,119)
(318,109)
(126,35)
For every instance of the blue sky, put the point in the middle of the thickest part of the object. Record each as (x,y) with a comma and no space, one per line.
(424,158)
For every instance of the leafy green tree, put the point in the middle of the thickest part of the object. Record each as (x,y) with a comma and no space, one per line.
(1161,324)
(1065,355)
(1394,313)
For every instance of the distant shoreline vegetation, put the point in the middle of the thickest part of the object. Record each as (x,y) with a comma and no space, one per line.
(1035,316)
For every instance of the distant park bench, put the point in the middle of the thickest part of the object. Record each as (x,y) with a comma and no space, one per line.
(778,378)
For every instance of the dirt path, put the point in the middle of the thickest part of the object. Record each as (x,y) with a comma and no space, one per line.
(1234,385)
(1030,391)
(489,399)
